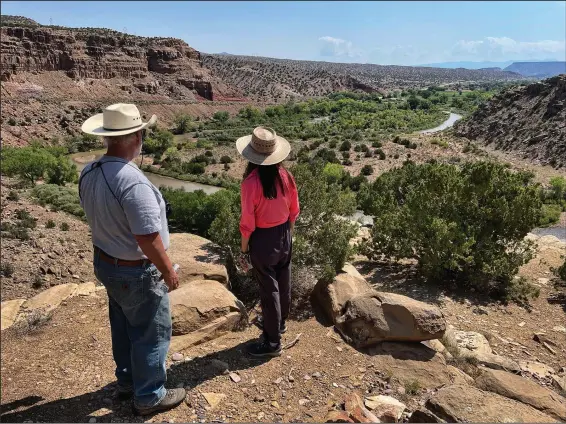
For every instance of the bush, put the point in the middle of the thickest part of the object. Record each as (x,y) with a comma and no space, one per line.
(50,224)
(61,198)
(64,226)
(345,146)
(158,142)
(6,269)
(561,271)
(367,170)
(62,172)
(226,159)
(368,154)
(221,116)
(182,124)
(418,215)
(376,144)
(195,168)
(13,196)
(333,144)
(347,162)
(27,163)
(550,214)
(380,153)
(25,219)
(208,153)
(358,148)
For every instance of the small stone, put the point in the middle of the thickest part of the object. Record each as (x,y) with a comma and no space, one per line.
(401,390)
(303,402)
(521,324)
(278,381)
(317,375)
(307,377)
(235,377)
(334,385)
(275,404)
(92,420)
(259,398)
(177,357)
(291,378)
(107,401)
(559,329)
(339,349)
(362,369)
(260,416)
(76,277)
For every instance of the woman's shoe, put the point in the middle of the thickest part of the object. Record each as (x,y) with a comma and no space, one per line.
(265,349)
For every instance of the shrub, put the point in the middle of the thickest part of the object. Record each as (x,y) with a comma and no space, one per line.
(333,144)
(347,162)
(550,214)
(226,167)
(195,168)
(50,224)
(367,170)
(221,116)
(376,144)
(380,153)
(60,198)
(346,155)
(64,226)
(6,269)
(440,143)
(62,172)
(368,154)
(418,215)
(13,196)
(182,124)
(561,271)
(158,142)
(208,153)
(364,148)
(226,159)
(358,148)
(12,122)
(25,219)
(345,146)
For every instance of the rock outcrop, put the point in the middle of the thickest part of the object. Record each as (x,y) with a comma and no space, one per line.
(523,390)
(528,120)
(459,403)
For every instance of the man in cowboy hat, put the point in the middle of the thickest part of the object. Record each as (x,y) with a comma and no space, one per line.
(127,217)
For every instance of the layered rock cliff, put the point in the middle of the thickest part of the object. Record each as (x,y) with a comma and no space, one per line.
(530,120)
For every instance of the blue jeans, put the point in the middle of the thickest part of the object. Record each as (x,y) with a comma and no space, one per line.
(140,322)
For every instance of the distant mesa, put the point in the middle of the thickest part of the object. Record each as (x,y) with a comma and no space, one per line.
(538,69)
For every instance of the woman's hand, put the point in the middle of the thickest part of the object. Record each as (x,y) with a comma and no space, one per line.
(245,262)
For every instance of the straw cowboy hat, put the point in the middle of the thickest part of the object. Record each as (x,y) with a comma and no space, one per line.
(263,147)
(116,119)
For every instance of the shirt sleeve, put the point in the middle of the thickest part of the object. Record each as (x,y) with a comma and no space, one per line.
(142,210)
(294,208)
(247,221)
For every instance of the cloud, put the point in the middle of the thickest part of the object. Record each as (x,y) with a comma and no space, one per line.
(505,48)
(336,47)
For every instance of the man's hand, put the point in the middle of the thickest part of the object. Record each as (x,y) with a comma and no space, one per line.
(171,280)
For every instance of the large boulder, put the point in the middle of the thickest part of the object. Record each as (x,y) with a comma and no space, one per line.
(198,258)
(328,298)
(373,317)
(200,302)
(526,391)
(459,403)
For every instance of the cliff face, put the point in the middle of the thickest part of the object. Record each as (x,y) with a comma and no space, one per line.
(530,120)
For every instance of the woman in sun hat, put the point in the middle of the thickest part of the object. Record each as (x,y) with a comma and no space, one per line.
(270,206)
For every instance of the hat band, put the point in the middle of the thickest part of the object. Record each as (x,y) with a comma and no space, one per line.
(121,129)
(263,146)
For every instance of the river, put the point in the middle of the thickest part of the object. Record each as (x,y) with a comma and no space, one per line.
(452,119)
(84,158)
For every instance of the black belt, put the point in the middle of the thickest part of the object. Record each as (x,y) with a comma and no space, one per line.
(122,262)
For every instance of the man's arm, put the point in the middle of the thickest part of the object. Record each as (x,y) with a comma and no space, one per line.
(152,247)
(144,217)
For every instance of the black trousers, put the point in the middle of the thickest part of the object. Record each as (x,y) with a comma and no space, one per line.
(270,254)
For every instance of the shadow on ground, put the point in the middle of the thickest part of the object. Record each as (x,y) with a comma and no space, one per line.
(80,408)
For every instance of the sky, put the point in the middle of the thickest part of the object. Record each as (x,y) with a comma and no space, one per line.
(398,33)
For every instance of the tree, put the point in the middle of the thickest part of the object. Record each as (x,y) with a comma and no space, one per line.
(345,146)
(462,224)
(413,102)
(26,162)
(62,171)
(221,116)
(182,123)
(366,170)
(226,159)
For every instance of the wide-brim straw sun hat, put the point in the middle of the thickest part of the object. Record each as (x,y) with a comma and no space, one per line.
(116,119)
(263,147)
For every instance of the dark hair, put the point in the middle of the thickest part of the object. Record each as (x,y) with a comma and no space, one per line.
(269,176)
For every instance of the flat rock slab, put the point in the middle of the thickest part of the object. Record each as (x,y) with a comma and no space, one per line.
(526,391)
(85,289)
(10,310)
(200,302)
(537,369)
(50,299)
(214,399)
(459,403)
(216,328)
(408,362)
(386,408)
(198,258)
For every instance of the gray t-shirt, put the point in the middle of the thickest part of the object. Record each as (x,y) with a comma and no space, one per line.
(140,211)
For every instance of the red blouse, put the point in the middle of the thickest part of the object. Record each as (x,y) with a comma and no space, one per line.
(259,212)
